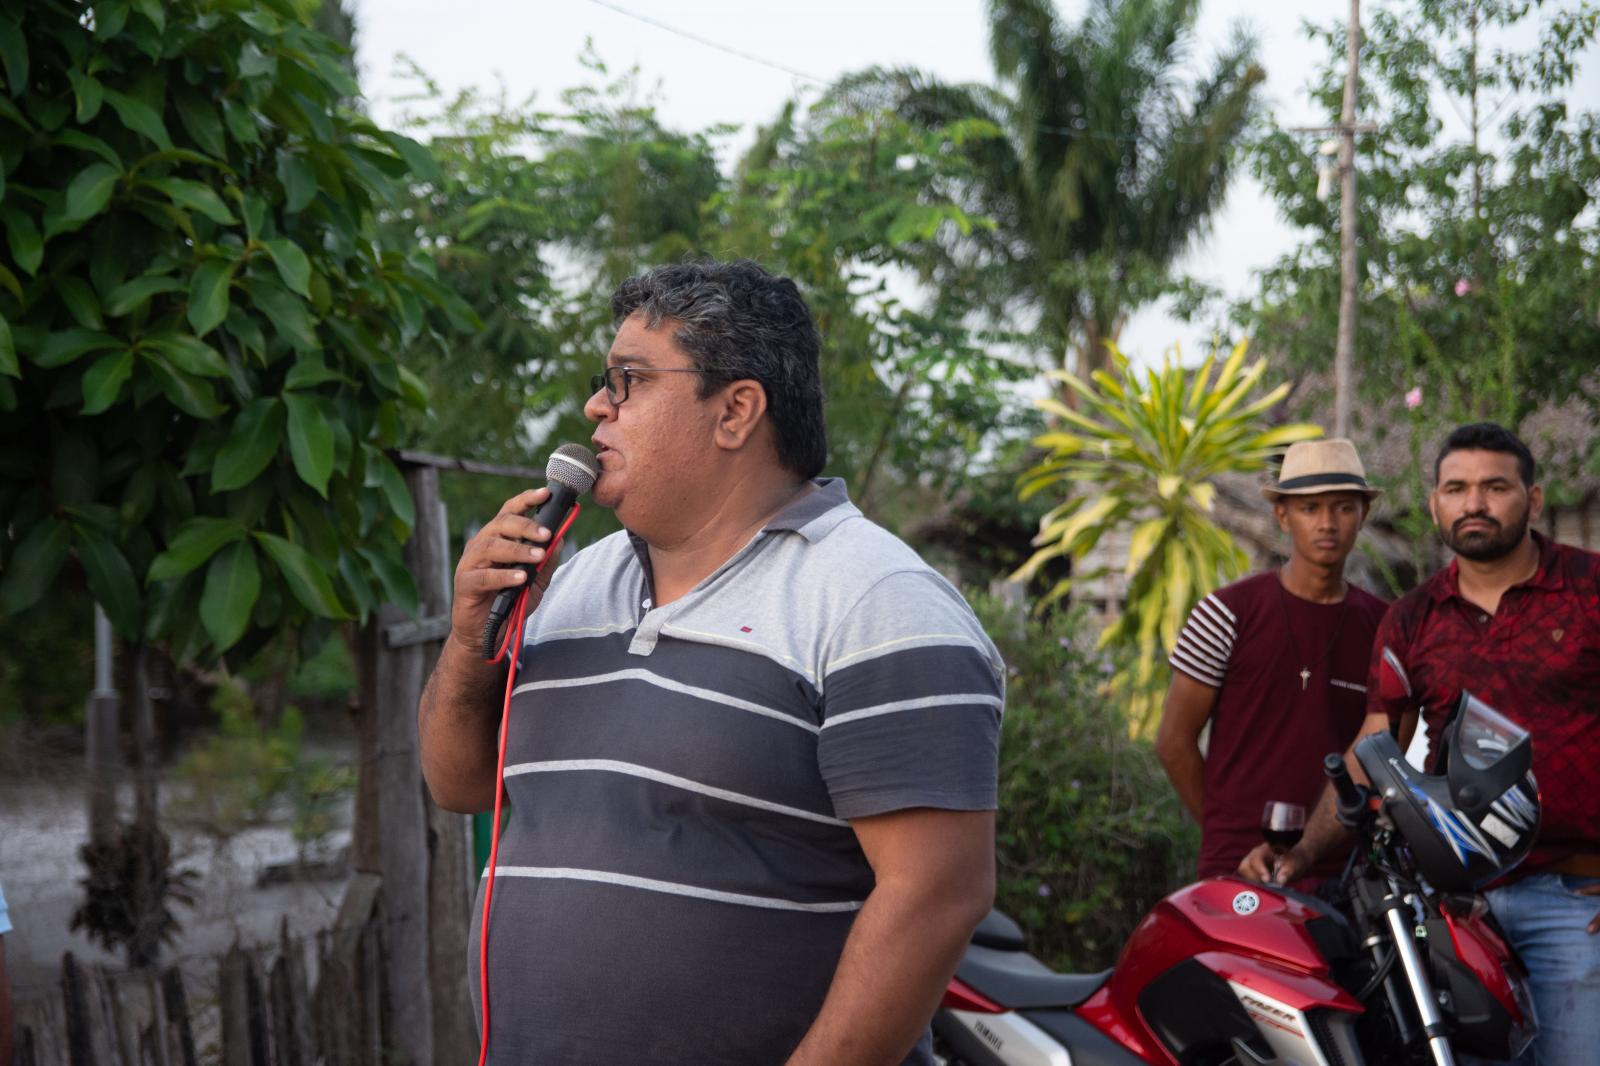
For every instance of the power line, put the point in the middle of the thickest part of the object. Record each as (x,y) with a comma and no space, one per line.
(820,83)
(709,43)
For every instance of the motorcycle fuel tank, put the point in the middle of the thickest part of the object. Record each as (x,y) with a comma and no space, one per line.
(1228,960)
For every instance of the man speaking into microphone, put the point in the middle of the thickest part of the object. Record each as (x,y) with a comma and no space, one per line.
(750,753)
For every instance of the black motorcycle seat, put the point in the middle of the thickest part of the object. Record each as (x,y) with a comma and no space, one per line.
(1017,980)
(998,931)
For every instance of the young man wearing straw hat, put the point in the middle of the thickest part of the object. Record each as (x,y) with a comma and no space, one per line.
(1276,663)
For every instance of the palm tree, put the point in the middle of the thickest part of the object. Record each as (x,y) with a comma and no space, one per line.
(1103,165)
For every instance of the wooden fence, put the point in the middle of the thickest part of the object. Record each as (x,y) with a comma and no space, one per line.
(260,1010)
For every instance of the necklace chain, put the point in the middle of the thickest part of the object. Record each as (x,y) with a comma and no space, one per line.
(1294,642)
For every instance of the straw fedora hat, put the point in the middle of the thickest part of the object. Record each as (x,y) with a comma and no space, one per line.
(1313,466)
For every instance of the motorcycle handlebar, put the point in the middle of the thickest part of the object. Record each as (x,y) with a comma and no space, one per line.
(1349,793)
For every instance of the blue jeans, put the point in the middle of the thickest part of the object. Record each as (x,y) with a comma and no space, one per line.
(1545,920)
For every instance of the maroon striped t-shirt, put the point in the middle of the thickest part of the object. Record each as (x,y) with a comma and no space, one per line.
(1271,726)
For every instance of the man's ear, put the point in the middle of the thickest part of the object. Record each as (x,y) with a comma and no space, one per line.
(1280,511)
(1535,503)
(743,404)
(1433,509)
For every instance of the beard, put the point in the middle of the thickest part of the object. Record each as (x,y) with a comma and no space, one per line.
(1483,546)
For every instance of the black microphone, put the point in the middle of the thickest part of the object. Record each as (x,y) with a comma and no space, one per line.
(570,472)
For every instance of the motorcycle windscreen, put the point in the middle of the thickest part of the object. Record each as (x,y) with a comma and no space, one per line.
(1484,736)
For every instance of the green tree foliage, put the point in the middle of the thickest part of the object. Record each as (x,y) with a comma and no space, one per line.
(1139,455)
(1089,834)
(536,215)
(1480,257)
(1108,166)
(591,191)
(845,200)
(198,322)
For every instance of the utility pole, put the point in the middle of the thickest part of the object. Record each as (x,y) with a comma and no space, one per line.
(1345,347)
(1345,344)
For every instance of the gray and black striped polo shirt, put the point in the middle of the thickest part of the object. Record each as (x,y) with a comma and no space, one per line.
(678,874)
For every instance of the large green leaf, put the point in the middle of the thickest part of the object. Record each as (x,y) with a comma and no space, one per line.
(310,370)
(385,474)
(14,54)
(87,143)
(110,579)
(418,158)
(81,302)
(199,117)
(63,346)
(293,266)
(103,381)
(195,196)
(130,296)
(88,92)
(287,312)
(139,117)
(190,354)
(306,579)
(233,583)
(310,441)
(299,183)
(188,393)
(27,246)
(8,351)
(195,542)
(154,10)
(208,295)
(33,567)
(256,438)
(398,584)
(89,192)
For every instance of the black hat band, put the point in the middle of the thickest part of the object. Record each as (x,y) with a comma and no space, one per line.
(1317,480)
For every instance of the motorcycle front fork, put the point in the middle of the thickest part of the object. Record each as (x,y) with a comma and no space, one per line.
(1398,915)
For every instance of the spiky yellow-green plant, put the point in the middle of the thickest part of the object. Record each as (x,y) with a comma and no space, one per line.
(1140,453)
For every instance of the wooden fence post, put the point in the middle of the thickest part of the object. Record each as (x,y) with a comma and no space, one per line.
(419,851)
(80,1052)
(291,1021)
(180,1033)
(449,893)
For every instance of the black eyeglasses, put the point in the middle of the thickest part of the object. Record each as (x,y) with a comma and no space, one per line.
(616,379)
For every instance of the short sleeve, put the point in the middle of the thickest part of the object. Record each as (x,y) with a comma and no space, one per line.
(1205,644)
(1389,689)
(912,698)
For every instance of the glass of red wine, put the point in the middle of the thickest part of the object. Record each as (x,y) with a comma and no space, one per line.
(1282,825)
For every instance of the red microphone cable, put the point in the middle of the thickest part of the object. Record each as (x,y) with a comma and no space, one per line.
(513,632)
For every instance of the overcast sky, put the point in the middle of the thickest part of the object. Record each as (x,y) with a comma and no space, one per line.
(533,48)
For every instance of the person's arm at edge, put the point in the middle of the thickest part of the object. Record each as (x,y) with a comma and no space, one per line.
(458,721)
(1188,707)
(5,1007)
(934,873)
(1324,835)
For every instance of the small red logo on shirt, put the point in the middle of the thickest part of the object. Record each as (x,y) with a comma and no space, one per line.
(1557,634)
(746,629)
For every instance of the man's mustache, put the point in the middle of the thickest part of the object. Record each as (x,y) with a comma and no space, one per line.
(1456,527)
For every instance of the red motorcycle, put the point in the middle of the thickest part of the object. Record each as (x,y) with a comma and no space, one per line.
(1409,968)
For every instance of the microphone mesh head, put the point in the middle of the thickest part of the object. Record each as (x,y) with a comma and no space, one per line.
(574,466)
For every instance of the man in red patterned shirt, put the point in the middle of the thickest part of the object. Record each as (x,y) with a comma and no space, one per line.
(1514,619)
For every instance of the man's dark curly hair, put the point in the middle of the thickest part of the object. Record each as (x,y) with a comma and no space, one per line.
(1487,437)
(737,321)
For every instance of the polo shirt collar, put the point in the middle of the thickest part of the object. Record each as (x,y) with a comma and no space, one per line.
(814,514)
(1548,577)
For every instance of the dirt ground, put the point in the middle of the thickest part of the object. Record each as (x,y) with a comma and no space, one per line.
(43,823)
